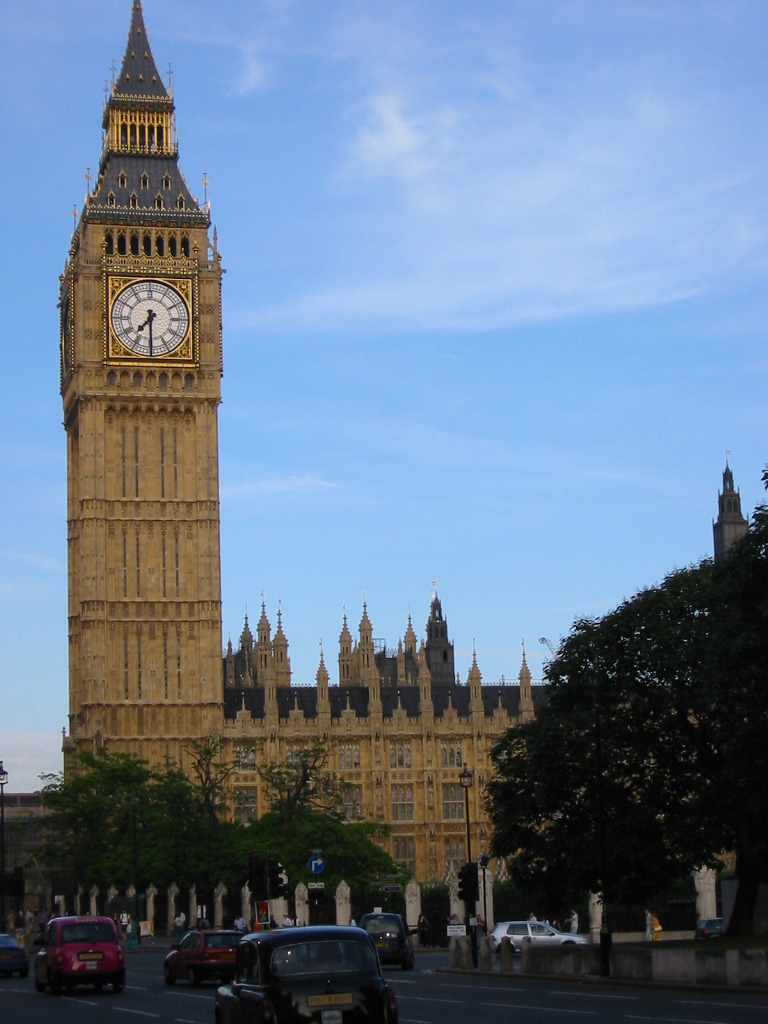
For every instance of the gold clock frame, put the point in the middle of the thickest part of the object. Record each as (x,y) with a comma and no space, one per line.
(185,354)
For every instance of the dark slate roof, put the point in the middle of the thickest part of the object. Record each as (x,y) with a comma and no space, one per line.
(356,698)
(138,72)
(250,696)
(134,167)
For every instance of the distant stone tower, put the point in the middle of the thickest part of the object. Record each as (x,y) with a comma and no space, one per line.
(730,525)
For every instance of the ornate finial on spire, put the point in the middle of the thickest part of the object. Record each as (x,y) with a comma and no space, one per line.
(113,70)
(727,454)
(88,177)
(74,217)
(205,183)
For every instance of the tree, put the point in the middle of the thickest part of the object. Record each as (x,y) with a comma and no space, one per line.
(89,824)
(650,757)
(302,782)
(211,774)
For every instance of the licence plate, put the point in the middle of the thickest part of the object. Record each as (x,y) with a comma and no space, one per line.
(330,1017)
(90,957)
(382,944)
(330,999)
(227,956)
(91,966)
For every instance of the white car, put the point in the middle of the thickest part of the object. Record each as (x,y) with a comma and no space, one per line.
(538,932)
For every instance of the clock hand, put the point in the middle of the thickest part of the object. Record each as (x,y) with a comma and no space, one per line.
(151,315)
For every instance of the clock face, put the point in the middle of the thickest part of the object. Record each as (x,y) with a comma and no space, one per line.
(150,318)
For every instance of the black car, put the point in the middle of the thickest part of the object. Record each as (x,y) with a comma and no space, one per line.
(709,928)
(391,938)
(320,973)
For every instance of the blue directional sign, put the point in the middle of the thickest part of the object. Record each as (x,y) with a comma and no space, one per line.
(315,865)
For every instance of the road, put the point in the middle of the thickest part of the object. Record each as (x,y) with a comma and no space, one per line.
(427,995)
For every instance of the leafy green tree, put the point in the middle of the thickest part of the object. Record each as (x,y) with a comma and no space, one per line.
(349,849)
(90,822)
(650,757)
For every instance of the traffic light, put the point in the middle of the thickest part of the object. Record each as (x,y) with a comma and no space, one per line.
(468,888)
(274,868)
(257,875)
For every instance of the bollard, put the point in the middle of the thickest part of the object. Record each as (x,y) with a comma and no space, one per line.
(455,952)
(485,962)
(467,960)
(507,955)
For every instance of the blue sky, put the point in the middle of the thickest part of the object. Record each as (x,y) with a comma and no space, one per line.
(495,308)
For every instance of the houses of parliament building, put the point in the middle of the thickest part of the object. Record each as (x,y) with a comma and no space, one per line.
(140,378)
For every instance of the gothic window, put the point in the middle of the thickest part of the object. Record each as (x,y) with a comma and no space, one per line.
(111,379)
(124,136)
(147,243)
(185,245)
(122,179)
(352,804)
(245,804)
(356,757)
(111,198)
(122,244)
(180,204)
(137,379)
(134,201)
(392,757)
(145,180)
(109,242)
(189,383)
(453,804)
(402,803)
(159,202)
(166,181)
(134,243)
(162,381)
(172,245)
(160,241)
(454,853)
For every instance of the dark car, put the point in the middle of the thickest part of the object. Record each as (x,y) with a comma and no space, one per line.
(321,973)
(80,951)
(203,956)
(391,939)
(709,928)
(13,957)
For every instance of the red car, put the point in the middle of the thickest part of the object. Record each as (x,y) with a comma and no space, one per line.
(203,956)
(79,951)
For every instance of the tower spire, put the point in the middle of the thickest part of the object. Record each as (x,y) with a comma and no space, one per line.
(138,73)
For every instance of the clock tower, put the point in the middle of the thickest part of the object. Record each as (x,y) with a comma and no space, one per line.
(141,365)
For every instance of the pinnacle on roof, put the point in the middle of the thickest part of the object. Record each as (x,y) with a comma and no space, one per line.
(138,73)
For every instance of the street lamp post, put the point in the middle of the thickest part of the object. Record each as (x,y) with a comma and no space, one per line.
(606,938)
(137,926)
(465,778)
(3,780)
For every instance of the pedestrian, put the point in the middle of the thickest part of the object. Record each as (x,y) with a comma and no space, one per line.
(423,928)
(573,922)
(239,923)
(132,938)
(655,928)
(648,925)
(287,922)
(532,916)
(124,919)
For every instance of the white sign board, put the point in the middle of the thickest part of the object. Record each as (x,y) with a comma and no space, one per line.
(456,929)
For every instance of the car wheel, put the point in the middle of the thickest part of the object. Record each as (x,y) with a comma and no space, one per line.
(168,975)
(195,977)
(54,983)
(39,985)
(97,986)
(117,986)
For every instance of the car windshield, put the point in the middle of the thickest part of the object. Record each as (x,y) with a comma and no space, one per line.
(382,925)
(225,939)
(88,931)
(8,942)
(336,956)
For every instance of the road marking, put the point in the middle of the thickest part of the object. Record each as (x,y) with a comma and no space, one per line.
(542,1009)
(593,995)
(726,1006)
(138,1013)
(678,1020)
